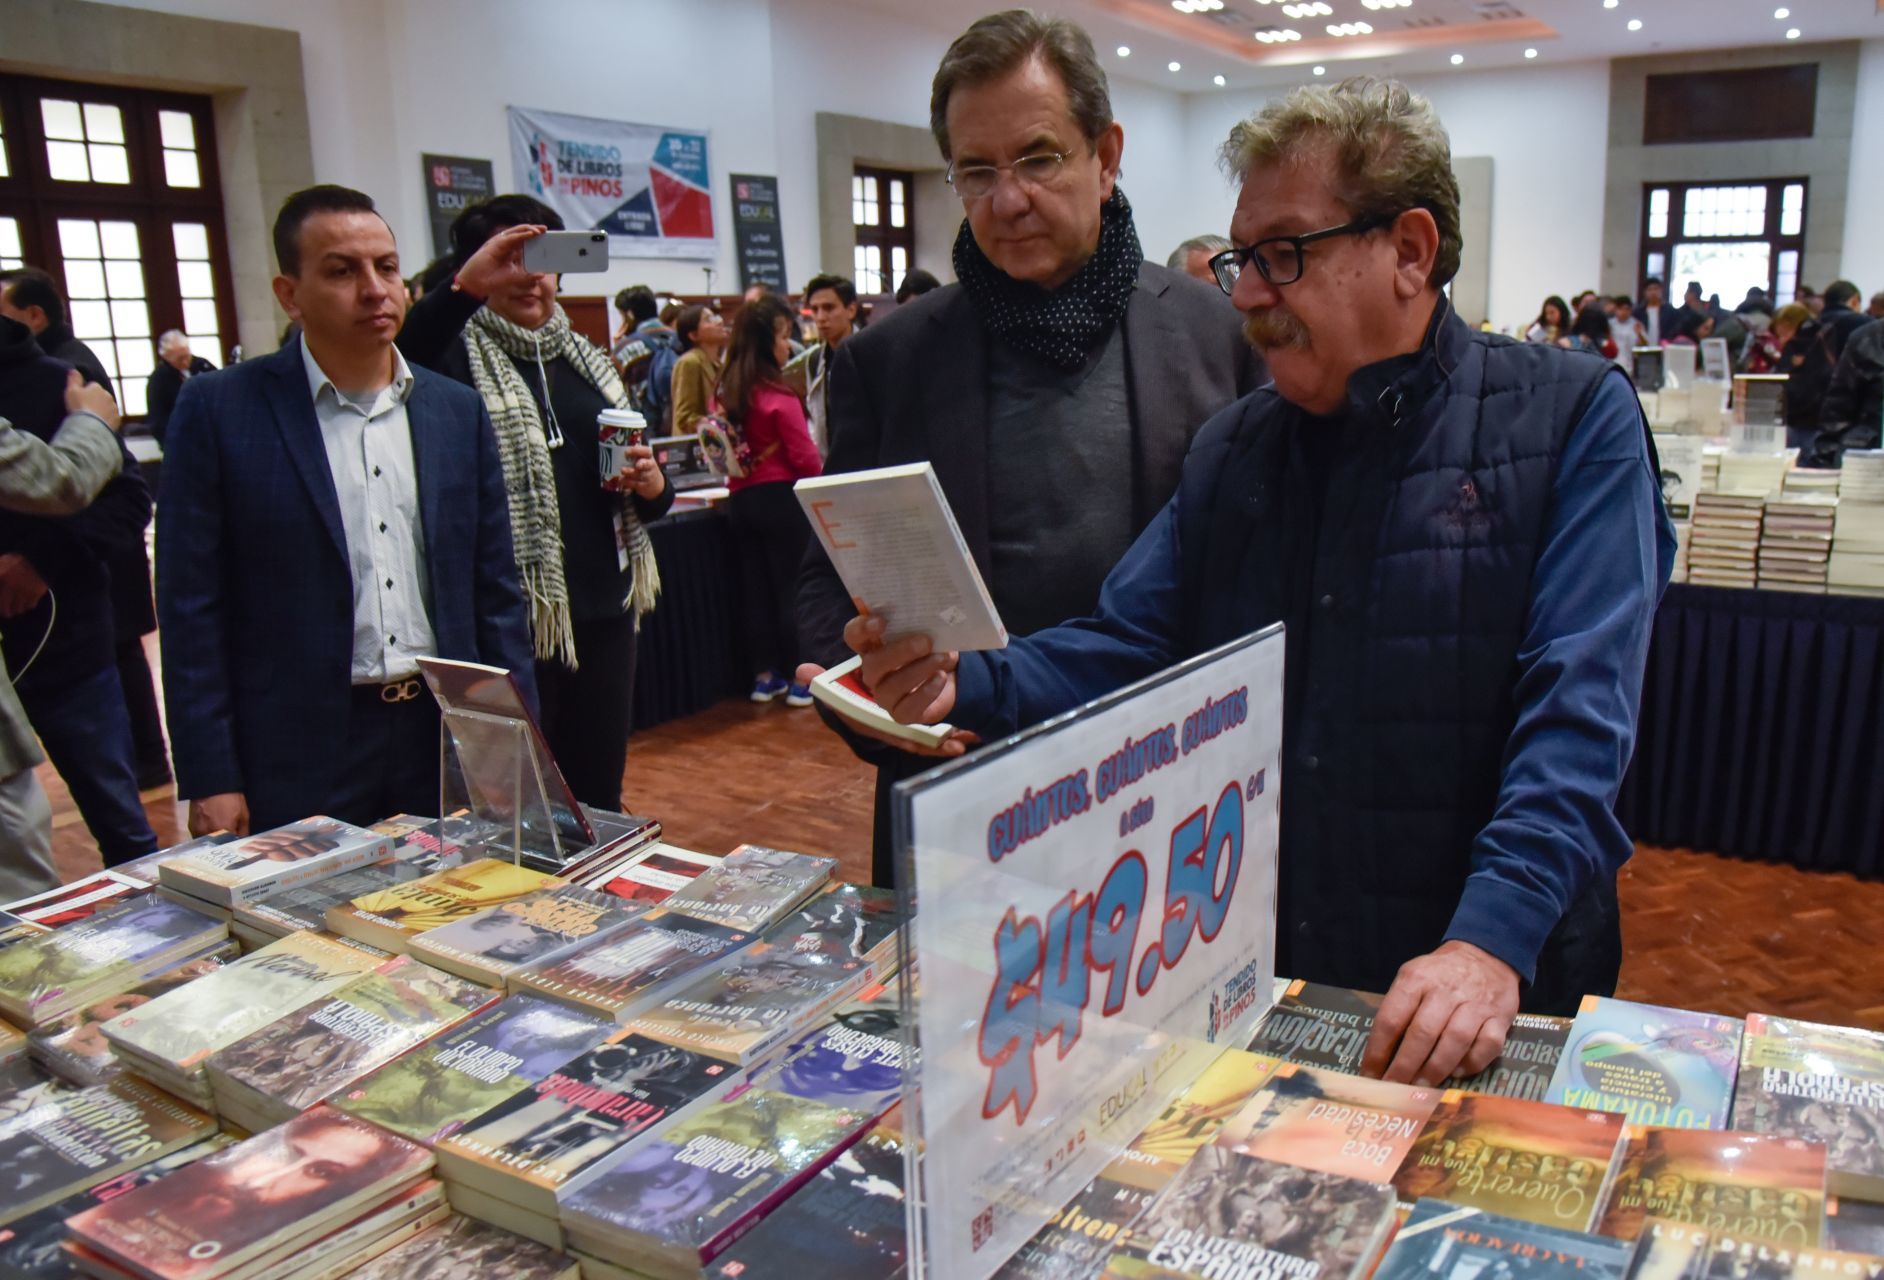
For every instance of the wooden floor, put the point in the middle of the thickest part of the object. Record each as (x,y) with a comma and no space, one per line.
(1700,931)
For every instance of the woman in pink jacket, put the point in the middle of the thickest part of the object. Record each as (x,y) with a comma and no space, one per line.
(769,528)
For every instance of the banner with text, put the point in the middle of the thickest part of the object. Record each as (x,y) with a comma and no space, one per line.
(452,185)
(1098,896)
(646,185)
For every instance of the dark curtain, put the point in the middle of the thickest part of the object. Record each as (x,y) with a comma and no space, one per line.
(689,654)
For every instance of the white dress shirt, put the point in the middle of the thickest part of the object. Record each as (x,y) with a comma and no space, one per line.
(369,451)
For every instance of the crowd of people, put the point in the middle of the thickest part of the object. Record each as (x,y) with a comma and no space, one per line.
(1830,352)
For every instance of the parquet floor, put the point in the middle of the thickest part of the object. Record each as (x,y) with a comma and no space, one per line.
(1700,931)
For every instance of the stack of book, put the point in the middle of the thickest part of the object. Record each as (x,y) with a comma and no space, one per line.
(752,887)
(1857,561)
(1724,550)
(1710,466)
(273,1074)
(1809,481)
(495,944)
(224,876)
(466,1247)
(654,876)
(1796,542)
(1761,473)
(72,902)
(322,1194)
(392,917)
(305,906)
(53,975)
(74,1048)
(168,1040)
(623,975)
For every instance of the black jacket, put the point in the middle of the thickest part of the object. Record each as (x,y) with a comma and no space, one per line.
(166,380)
(68,552)
(1854,403)
(59,342)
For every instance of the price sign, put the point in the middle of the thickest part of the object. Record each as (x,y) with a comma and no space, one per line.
(1095,894)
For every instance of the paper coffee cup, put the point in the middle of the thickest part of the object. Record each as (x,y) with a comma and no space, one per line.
(617,431)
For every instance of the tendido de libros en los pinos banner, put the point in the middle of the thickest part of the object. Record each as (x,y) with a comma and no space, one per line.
(647,185)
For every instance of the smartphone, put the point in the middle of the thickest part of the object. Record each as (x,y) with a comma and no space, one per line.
(561,252)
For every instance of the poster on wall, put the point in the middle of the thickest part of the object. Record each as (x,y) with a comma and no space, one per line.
(756,233)
(452,185)
(644,184)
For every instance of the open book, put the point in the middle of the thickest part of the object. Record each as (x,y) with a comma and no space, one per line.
(894,542)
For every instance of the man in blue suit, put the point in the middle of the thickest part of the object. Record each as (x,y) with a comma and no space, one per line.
(329,515)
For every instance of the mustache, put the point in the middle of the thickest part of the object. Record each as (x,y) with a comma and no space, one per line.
(1274,328)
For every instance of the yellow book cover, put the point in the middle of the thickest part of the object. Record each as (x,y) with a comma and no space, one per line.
(388,917)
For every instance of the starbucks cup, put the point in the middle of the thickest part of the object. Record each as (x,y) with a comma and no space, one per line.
(617,431)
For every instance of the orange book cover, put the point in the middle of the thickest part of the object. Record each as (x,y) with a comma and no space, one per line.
(1754,1186)
(1314,1118)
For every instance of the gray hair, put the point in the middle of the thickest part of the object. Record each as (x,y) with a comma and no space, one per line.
(1001,43)
(171,338)
(1390,152)
(1211,245)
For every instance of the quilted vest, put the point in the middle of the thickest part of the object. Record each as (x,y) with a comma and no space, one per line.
(1403,627)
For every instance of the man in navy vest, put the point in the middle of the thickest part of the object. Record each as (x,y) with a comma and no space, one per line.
(1465,538)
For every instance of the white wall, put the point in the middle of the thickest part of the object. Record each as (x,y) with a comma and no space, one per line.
(1864,200)
(1545,129)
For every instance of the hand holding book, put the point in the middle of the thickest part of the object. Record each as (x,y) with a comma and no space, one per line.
(911,685)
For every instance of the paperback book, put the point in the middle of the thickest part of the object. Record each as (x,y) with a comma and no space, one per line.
(1079,1237)
(760,1000)
(442,1085)
(261,1195)
(1669,1251)
(671,1204)
(1231,1214)
(1755,1186)
(655,878)
(75,1049)
(1657,1066)
(392,917)
(13,929)
(847,1223)
(1318,1026)
(45,978)
(169,1038)
(1732,1259)
(496,943)
(1442,1241)
(305,906)
(854,1060)
(753,887)
(30,1246)
(1824,1084)
(65,1140)
(77,900)
(409,1210)
(304,1056)
(1321,1119)
(842,689)
(538,1145)
(1523,1160)
(253,867)
(623,975)
(1533,1046)
(845,922)
(464,1247)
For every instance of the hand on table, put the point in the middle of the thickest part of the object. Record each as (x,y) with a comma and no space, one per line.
(1446,1014)
(226,812)
(21,587)
(88,397)
(498,263)
(642,476)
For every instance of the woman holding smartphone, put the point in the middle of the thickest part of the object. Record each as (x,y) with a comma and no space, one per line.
(583,555)
(768,524)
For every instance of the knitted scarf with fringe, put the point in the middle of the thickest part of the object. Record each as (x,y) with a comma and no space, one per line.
(495,345)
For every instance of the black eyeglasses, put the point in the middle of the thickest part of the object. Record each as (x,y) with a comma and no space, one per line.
(1280,259)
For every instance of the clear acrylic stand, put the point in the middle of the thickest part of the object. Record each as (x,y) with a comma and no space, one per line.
(489,764)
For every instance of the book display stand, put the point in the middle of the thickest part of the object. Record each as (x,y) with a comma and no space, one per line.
(494,766)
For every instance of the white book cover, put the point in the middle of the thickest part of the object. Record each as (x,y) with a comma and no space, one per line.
(893,540)
(249,869)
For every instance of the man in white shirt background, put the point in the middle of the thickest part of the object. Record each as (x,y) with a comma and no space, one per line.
(329,515)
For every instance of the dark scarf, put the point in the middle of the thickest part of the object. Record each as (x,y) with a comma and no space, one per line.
(1062,326)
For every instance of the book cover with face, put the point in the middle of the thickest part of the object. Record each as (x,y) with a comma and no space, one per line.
(500,940)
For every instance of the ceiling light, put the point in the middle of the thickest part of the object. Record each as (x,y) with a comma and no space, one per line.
(1458,59)
(1609,4)
(1313,9)
(1321,71)
(1530,53)
(1386,4)
(1782,14)
(1125,51)
(1175,66)
(1219,81)
(1635,24)
(1197,6)
(1270,35)
(1338,29)
(1792,33)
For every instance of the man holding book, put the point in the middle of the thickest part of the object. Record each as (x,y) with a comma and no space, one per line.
(330,515)
(1465,539)
(1056,387)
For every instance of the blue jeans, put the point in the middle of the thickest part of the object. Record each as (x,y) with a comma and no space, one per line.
(87,735)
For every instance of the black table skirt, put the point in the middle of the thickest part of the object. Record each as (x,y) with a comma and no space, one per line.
(1763,729)
(690,654)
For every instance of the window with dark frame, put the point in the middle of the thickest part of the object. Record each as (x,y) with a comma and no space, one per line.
(882,209)
(1727,236)
(114,191)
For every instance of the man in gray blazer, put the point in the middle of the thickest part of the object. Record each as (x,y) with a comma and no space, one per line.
(44,479)
(1056,388)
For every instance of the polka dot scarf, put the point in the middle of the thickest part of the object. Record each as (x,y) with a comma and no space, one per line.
(1062,326)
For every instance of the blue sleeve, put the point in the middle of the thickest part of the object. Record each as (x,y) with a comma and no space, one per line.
(1607,551)
(1133,634)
